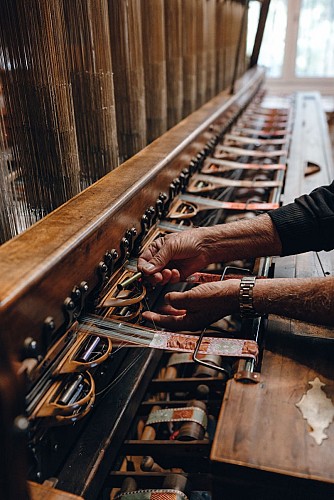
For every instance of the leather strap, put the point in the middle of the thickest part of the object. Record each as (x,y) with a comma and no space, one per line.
(180,342)
(229,150)
(201,183)
(171,341)
(216,165)
(253,140)
(262,132)
(186,414)
(197,203)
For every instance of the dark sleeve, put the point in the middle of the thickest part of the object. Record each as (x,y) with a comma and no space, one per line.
(308,223)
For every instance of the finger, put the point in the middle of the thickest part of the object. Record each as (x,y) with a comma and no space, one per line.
(155,279)
(175,277)
(166,276)
(181,300)
(156,257)
(147,255)
(170,322)
(167,309)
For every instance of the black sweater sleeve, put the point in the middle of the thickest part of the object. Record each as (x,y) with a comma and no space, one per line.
(308,223)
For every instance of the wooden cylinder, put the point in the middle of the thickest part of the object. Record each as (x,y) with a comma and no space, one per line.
(175,482)
(228,42)
(208,371)
(149,432)
(210,42)
(93,88)
(237,37)
(220,45)
(129,484)
(243,20)
(189,48)
(191,431)
(201,51)
(174,61)
(154,57)
(128,68)
(171,372)
(149,465)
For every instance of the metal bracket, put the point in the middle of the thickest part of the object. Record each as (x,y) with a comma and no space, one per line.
(205,363)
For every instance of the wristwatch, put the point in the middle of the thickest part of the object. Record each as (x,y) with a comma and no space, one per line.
(247,310)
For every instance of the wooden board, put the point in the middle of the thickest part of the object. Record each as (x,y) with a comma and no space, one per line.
(41,492)
(260,426)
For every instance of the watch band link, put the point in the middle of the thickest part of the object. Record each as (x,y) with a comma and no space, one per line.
(246,305)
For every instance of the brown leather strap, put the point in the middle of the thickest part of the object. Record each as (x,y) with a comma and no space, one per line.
(216,165)
(229,150)
(239,348)
(198,278)
(200,183)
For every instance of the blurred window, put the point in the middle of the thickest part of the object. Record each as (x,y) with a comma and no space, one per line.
(273,43)
(315,44)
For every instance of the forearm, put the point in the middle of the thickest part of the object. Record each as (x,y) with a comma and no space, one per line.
(243,239)
(310,300)
(306,299)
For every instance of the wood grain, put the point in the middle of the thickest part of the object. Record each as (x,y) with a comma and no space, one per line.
(260,426)
(41,492)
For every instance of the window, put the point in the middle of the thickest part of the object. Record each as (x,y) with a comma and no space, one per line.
(298,43)
(315,44)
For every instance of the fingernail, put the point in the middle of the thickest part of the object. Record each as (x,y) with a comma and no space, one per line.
(148,267)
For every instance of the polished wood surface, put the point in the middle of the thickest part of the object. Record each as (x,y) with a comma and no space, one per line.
(260,426)
(43,492)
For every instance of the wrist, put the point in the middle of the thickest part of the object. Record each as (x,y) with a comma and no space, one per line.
(232,288)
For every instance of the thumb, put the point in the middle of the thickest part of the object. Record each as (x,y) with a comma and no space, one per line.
(159,261)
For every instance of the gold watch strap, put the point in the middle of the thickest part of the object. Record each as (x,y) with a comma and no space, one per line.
(247,284)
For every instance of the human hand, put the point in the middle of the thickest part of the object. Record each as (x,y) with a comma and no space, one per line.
(174,257)
(199,307)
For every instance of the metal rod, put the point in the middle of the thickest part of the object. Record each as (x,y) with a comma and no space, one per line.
(124,284)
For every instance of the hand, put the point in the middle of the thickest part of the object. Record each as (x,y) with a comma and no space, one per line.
(174,257)
(199,307)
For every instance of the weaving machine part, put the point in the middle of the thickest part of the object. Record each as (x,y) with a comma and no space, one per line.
(110,406)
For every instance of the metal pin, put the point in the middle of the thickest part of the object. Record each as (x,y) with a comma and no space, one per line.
(128,281)
(84,357)
(70,390)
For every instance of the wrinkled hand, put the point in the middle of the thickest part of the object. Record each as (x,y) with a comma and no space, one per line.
(199,307)
(174,257)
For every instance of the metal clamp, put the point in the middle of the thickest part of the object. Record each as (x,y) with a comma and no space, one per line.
(221,369)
